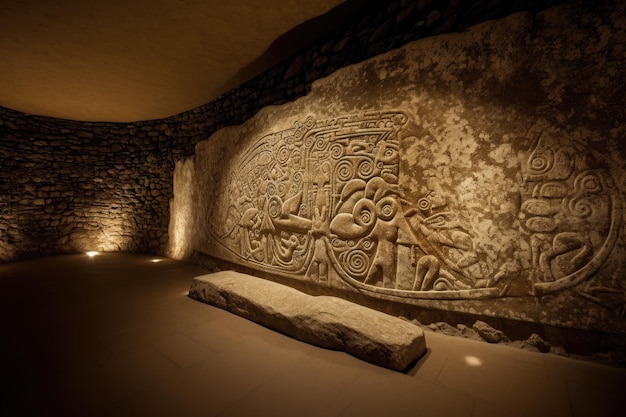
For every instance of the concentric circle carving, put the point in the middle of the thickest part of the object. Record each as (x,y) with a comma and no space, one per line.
(344,170)
(356,262)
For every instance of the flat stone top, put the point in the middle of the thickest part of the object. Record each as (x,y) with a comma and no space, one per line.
(325,321)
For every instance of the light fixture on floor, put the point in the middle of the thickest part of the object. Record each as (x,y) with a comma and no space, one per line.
(92,253)
(473,361)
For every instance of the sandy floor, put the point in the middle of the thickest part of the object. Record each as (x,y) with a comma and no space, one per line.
(116,335)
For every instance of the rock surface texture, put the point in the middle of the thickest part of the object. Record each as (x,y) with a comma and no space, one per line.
(470,172)
(328,322)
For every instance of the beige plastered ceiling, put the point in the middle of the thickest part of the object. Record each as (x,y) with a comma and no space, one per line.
(129,60)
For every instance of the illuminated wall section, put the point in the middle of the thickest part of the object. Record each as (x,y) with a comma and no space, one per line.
(478,172)
(68,186)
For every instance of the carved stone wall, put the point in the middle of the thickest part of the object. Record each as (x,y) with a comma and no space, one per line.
(470,172)
(67,186)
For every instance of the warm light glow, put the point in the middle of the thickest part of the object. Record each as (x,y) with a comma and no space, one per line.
(473,361)
(92,253)
(156,260)
(181,215)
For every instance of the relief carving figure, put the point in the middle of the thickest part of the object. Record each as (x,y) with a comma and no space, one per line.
(571,213)
(368,213)
(321,201)
(450,177)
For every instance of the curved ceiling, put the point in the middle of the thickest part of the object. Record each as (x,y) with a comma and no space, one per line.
(129,60)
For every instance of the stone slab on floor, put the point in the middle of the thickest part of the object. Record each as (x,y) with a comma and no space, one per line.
(324,321)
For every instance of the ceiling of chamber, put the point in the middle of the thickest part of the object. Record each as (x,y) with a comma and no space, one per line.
(129,60)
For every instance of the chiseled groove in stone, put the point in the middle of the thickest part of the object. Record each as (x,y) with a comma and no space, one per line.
(328,322)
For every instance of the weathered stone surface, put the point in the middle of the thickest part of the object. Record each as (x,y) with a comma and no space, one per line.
(488,333)
(329,322)
(445,328)
(467,332)
(538,342)
(469,172)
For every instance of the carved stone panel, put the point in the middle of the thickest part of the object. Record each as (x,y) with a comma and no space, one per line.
(432,179)
(327,201)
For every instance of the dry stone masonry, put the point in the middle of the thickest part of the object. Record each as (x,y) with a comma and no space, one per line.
(70,186)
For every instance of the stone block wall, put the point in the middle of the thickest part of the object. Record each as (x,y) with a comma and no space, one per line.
(69,186)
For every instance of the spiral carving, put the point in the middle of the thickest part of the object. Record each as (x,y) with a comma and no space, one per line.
(387,208)
(364,213)
(344,171)
(367,244)
(356,262)
(275,206)
(336,151)
(282,154)
(541,161)
(320,144)
(588,183)
(581,207)
(366,169)
(423,204)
